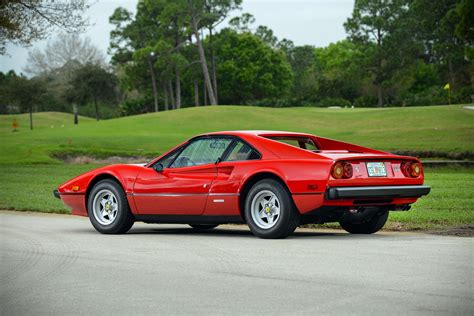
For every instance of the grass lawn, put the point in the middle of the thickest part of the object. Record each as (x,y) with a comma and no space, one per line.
(450,203)
(434,128)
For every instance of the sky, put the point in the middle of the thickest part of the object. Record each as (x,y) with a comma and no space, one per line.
(305,22)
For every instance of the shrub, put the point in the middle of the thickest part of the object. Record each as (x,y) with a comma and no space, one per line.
(136,106)
(365,101)
(329,102)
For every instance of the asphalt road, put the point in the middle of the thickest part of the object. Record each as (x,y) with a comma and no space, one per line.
(57,264)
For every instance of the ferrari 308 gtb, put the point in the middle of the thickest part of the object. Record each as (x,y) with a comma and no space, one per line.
(273,181)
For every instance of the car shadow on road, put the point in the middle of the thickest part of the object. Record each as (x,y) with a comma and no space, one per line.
(232,232)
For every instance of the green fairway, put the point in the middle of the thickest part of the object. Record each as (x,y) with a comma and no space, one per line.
(436,128)
(29,188)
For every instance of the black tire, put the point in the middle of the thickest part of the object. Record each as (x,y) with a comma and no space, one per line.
(124,219)
(203,226)
(370,226)
(288,219)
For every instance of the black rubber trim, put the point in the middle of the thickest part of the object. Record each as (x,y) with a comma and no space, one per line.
(377,192)
(58,195)
(188,219)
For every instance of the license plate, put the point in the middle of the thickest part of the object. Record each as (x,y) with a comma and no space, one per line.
(376,169)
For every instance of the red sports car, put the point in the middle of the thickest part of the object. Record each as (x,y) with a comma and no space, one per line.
(273,181)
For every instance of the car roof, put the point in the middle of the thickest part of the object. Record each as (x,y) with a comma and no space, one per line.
(258,133)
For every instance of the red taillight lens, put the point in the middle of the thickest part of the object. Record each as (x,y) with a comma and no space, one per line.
(411,169)
(348,170)
(342,170)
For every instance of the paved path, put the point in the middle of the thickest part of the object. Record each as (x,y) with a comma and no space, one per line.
(57,264)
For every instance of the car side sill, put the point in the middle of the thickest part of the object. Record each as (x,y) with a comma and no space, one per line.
(188,219)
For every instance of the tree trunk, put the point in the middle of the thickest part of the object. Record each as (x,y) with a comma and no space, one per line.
(196,93)
(31,117)
(165,91)
(171,94)
(379,70)
(153,82)
(379,95)
(202,57)
(178,88)
(74,110)
(205,94)
(96,108)
(213,65)
(451,74)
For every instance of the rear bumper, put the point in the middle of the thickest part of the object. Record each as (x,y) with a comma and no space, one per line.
(56,194)
(405,191)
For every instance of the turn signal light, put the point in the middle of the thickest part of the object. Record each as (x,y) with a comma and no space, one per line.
(342,170)
(411,169)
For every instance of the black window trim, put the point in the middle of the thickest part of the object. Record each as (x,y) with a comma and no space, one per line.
(232,146)
(223,157)
(176,151)
(295,138)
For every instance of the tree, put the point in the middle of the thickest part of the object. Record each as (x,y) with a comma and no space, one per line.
(266,35)
(246,62)
(338,71)
(22,92)
(438,27)
(216,12)
(241,24)
(465,28)
(302,60)
(379,22)
(92,83)
(23,22)
(196,12)
(65,49)
(151,42)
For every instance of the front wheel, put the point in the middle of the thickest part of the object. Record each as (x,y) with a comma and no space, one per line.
(108,208)
(369,226)
(269,210)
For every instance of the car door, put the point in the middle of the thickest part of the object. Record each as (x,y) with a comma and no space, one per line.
(182,187)
(223,197)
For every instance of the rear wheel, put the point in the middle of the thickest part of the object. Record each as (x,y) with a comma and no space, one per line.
(368,226)
(269,210)
(203,226)
(108,208)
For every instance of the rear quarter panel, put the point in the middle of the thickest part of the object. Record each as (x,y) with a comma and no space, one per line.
(306,180)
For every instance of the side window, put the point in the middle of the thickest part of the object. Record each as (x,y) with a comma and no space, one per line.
(202,151)
(242,151)
(167,160)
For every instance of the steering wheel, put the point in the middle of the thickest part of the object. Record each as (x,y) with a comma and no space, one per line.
(183,162)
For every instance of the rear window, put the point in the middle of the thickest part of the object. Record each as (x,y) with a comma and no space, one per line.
(300,142)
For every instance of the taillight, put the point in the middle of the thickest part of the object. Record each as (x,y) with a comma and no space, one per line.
(342,170)
(411,169)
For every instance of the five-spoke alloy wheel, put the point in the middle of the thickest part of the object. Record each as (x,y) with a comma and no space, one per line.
(105,207)
(269,210)
(108,208)
(265,209)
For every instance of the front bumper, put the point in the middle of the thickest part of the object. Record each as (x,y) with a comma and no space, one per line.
(56,194)
(399,191)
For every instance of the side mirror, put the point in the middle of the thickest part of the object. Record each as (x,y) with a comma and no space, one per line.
(158,167)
